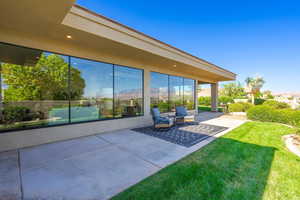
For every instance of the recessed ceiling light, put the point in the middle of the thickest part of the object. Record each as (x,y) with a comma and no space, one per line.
(69,36)
(174,65)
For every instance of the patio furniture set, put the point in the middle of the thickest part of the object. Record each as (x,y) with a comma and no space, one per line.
(165,122)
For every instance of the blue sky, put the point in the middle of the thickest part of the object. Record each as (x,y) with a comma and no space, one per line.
(258,37)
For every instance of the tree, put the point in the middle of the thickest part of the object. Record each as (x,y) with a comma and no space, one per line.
(233,90)
(268,94)
(46,80)
(253,86)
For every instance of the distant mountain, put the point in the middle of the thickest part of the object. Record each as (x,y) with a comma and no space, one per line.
(205,92)
(287,94)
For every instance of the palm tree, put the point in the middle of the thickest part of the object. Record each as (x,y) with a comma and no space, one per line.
(253,86)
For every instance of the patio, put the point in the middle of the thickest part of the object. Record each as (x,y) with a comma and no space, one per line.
(93,167)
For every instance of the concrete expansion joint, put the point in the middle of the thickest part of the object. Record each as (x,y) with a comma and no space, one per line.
(136,155)
(20,175)
(102,138)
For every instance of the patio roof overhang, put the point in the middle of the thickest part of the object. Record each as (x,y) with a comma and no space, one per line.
(45,24)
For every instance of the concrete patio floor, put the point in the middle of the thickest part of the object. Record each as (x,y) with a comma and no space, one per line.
(93,167)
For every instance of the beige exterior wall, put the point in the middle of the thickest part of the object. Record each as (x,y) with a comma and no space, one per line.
(147,89)
(214,97)
(26,138)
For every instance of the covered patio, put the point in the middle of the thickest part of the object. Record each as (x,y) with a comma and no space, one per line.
(94,167)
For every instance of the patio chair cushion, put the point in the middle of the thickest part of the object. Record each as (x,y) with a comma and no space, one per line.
(155,113)
(181,111)
(189,118)
(163,120)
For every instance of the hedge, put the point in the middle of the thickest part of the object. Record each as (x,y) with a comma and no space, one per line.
(266,113)
(239,107)
(276,104)
(206,101)
(13,114)
(208,108)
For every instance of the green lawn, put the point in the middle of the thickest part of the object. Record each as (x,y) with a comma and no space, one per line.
(251,162)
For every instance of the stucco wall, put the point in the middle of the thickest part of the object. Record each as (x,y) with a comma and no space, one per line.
(26,138)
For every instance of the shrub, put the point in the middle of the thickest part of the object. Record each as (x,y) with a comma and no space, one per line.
(267,113)
(298,131)
(260,113)
(239,107)
(206,101)
(13,114)
(276,104)
(225,100)
(294,117)
(208,108)
(258,101)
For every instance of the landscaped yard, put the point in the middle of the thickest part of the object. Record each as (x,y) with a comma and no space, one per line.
(251,162)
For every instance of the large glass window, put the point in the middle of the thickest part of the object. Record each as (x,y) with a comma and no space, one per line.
(176,91)
(91,90)
(41,89)
(160,91)
(34,88)
(189,93)
(167,92)
(128,97)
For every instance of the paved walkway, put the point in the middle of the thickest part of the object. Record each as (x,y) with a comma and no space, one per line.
(94,167)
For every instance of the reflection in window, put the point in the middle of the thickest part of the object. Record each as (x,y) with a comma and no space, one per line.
(176,91)
(91,90)
(34,88)
(159,91)
(128,98)
(189,94)
(40,89)
(167,92)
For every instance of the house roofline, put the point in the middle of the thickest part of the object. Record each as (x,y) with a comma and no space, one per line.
(150,37)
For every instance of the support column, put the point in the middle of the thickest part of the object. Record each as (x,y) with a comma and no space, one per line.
(196,96)
(1,101)
(214,96)
(147,92)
